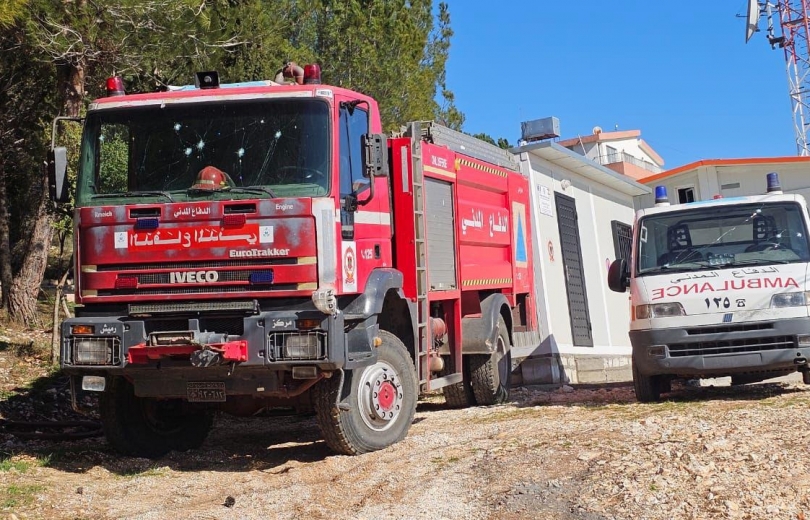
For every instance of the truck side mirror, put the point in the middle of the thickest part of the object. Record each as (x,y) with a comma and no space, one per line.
(375,155)
(618,275)
(57,174)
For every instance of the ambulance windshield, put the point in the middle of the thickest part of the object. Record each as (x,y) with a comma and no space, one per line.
(256,148)
(725,236)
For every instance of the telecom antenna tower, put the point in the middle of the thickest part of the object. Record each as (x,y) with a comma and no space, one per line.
(794,38)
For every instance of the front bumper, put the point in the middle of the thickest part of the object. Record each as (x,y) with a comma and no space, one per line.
(273,339)
(722,349)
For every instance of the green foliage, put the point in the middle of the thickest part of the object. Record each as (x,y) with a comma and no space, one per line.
(114,158)
(19,495)
(11,11)
(55,56)
(500,143)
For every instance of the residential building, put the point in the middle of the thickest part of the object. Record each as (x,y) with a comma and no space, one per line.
(623,151)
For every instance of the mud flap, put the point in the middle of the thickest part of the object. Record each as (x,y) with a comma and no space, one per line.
(344,391)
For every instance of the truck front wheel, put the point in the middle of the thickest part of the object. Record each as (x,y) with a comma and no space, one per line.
(380,405)
(148,427)
(648,388)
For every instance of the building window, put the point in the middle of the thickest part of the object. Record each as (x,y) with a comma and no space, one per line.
(612,155)
(622,239)
(686,195)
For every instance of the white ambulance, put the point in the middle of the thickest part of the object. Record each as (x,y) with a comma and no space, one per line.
(718,288)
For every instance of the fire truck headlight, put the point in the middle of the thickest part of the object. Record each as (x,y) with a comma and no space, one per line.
(325,300)
(659,310)
(791,299)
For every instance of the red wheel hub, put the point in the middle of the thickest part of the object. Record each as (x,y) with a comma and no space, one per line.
(386,395)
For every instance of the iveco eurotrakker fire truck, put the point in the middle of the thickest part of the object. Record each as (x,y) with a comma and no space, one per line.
(718,288)
(242,247)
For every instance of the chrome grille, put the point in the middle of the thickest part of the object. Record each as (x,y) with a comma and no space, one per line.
(93,350)
(296,346)
(731,346)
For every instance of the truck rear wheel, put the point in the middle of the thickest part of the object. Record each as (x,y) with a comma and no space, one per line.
(489,375)
(648,388)
(459,395)
(148,427)
(381,402)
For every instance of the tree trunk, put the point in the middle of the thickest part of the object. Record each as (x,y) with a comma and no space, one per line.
(73,89)
(24,289)
(5,244)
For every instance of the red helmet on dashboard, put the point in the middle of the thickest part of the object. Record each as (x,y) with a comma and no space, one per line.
(212,178)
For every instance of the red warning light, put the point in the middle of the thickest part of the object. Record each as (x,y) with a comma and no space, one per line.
(115,86)
(312,74)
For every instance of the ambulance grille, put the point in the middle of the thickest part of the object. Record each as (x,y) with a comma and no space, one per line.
(731,346)
(722,329)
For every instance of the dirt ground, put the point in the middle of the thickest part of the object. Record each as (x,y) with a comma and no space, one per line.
(569,453)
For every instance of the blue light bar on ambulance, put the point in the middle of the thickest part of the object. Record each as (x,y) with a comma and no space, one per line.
(773,183)
(661,196)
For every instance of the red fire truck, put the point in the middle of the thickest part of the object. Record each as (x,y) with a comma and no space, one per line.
(242,247)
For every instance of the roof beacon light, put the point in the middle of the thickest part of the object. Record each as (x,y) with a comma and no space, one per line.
(661,196)
(115,86)
(773,183)
(312,74)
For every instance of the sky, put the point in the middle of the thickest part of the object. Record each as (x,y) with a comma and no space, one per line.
(680,72)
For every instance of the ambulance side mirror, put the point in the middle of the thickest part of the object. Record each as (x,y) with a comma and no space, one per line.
(618,275)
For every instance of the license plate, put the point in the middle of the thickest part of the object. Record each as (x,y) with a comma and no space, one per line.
(206,392)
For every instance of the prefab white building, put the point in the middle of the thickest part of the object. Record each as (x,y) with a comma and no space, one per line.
(582,216)
(703,180)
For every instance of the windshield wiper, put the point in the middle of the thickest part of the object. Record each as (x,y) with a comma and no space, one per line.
(693,266)
(758,261)
(239,189)
(254,189)
(133,194)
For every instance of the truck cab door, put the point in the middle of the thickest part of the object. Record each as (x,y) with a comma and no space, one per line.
(365,228)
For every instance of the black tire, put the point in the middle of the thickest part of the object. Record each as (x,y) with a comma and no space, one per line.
(648,388)
(147,427)
(489,374)
(459,395)
(362,426)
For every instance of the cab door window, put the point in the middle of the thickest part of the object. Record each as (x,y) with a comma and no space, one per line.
(353,125)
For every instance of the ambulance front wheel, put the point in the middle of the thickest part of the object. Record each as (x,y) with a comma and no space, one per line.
(648,388)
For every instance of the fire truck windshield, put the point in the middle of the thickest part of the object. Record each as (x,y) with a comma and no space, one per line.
(264,148)
(727,236)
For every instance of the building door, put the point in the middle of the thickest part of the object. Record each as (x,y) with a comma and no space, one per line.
(574,271)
